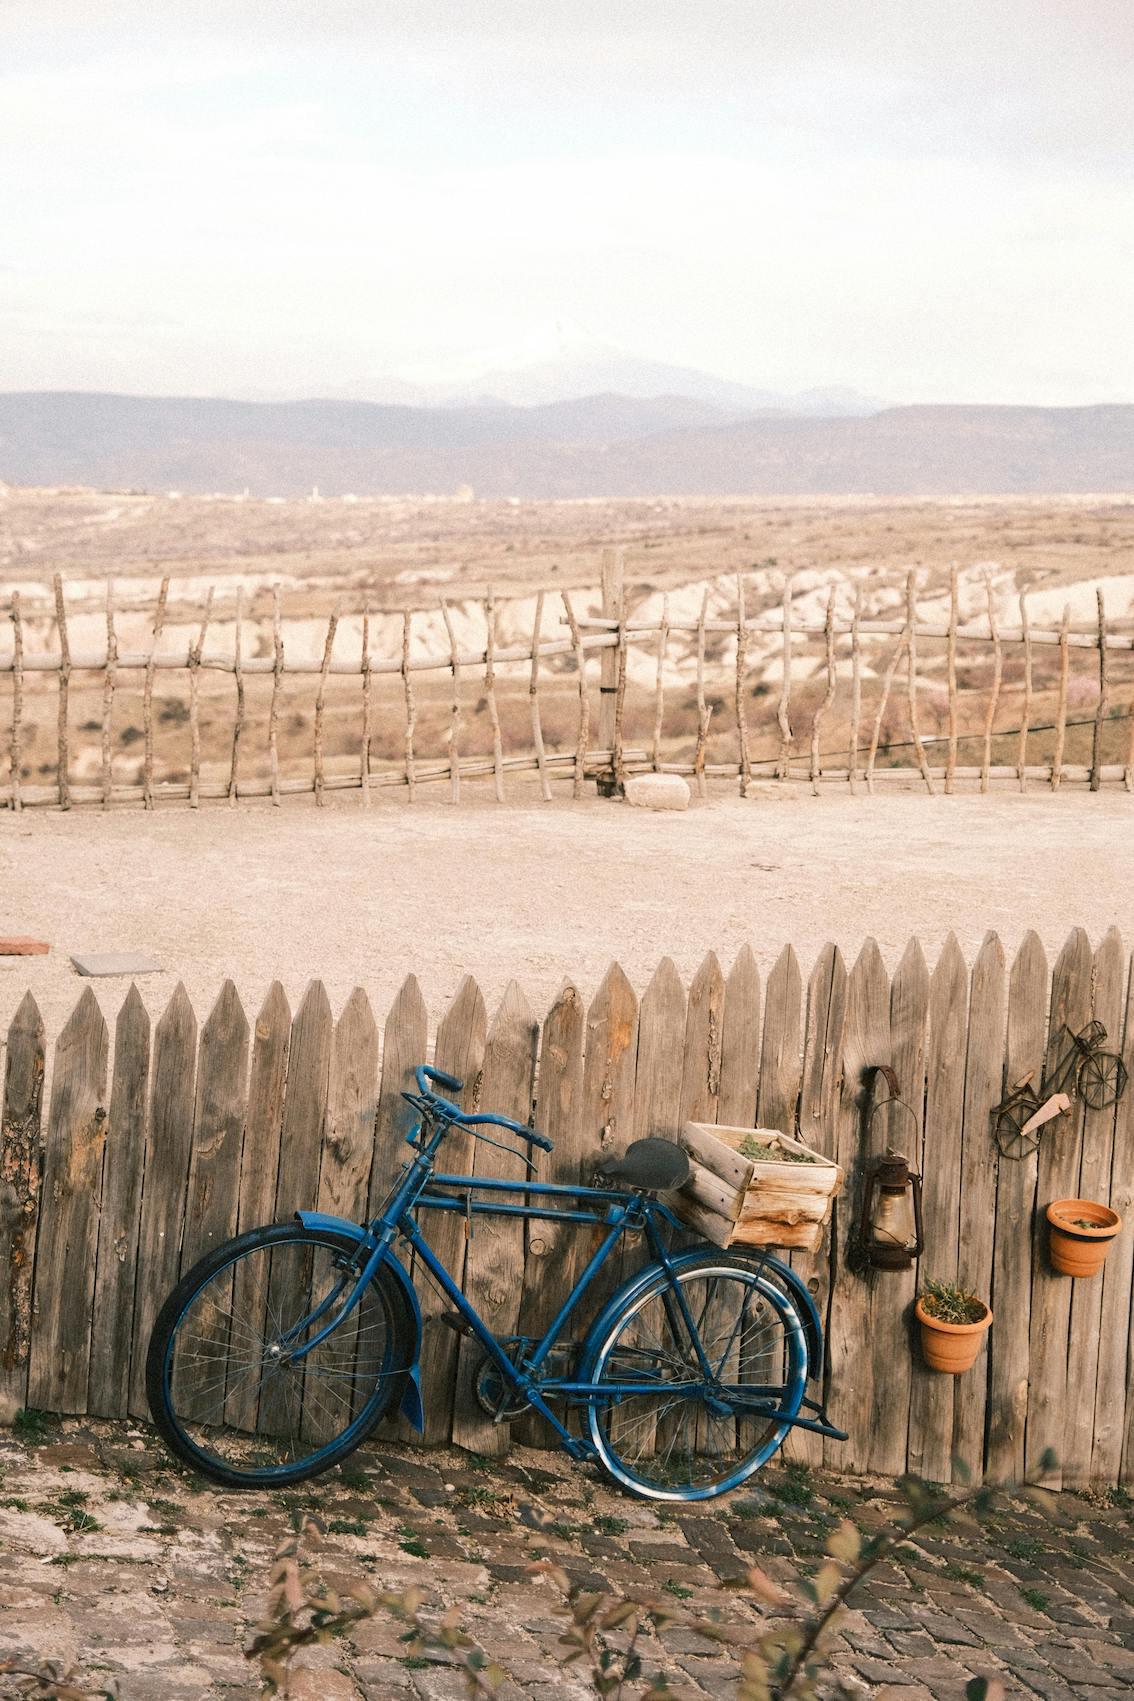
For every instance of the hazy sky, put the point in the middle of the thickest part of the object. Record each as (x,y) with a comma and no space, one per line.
(927,200)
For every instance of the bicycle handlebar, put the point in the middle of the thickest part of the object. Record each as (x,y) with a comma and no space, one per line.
(453,1112)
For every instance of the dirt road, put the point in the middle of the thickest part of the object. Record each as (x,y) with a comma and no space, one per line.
(541,892)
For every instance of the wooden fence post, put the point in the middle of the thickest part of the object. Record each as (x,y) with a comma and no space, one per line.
(68,1225)
(1086,1342)
(109,1389)
(1059,1158)
(1015,1201)
(613,608)
(459,1051)
(390,1118)
(494,1265)
(984,1079)
(866,1041)
(892,1292)
(931,1394)
(818,1094)
(218,1129)
(21,1175)
(14,757)
(169,1141)
(553,1254)
(64,764)
(740,1043)
(1114,1395)
(148,699)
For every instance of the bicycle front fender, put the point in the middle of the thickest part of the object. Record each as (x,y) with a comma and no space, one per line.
(412,1408)
(778,1271)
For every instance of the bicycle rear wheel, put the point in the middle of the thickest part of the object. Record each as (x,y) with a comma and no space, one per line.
(228,1393)
(694,1434)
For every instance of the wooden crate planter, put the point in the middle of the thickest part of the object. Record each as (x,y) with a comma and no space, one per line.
(735,1200)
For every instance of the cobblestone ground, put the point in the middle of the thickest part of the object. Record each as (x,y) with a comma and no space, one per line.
(111,1558)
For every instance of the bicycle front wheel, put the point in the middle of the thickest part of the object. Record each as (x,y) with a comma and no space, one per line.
(230,1387)
(695,1378)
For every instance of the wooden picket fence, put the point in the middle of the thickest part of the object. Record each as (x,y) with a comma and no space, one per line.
(840,680)
(107,1197)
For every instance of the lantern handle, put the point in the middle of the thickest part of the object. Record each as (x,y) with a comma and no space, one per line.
(872,1072)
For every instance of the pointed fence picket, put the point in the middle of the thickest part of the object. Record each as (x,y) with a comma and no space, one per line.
(203,1134)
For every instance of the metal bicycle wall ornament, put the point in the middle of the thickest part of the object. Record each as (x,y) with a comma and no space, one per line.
(888,1232)
(1083,1069)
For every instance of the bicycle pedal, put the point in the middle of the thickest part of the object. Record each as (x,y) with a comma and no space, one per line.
(453,1320)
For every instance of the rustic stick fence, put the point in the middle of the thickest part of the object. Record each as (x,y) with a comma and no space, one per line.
(136,1166)
(838,642)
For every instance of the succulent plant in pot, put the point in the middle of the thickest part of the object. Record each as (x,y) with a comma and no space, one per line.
(952,1322)
(1081,1232)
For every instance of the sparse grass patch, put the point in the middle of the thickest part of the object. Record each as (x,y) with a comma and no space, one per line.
(680,1591)
(794,1488)
(1035,1598)
(34,1426)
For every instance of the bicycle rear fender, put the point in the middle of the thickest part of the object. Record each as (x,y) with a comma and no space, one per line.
(412,1408)
(779,1272)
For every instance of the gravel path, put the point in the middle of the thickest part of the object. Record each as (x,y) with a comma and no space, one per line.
(539,891)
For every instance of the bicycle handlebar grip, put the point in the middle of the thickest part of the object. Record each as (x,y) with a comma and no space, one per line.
(449,1082)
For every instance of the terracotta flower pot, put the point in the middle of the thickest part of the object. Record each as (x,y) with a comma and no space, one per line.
(950,1347)
(1080,1235)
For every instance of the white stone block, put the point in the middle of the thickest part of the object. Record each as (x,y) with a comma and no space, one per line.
(657,791)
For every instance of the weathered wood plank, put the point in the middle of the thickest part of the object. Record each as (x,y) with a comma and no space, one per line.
(495,1262)
(661,1044)
(366,1121)
(892,1292)
(305,1103)
(405,1037)
(780,1055)
(259,1170)
(1114,1394)
(866,1042)
(459,1051)
(930,1449)
(1085,1343)
(819,1088)
(552,1260)
(984,1079)
(1015,1202)
(740,1043)
(701,1066)
(390,1119)
(1059,1159)
(609,1102)
(218,1129)
(301,1143)
(260,1156)
(109,1388)
(352,1101)
(21,1176)
(169,1142)
(68,1225)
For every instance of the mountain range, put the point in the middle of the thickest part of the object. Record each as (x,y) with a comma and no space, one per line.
(599,445)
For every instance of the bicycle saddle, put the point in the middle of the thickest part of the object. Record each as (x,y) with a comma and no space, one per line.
(654,1165)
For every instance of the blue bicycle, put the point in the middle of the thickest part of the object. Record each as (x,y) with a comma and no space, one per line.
(279,1352)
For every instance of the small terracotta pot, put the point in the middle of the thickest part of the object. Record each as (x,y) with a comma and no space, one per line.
(950,1347)
(1078,1251)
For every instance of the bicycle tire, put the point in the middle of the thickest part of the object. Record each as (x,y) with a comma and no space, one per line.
(674,1445)
(1102,1079)
(313,1416)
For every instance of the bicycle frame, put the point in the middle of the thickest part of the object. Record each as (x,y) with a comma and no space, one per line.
(616,1211)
